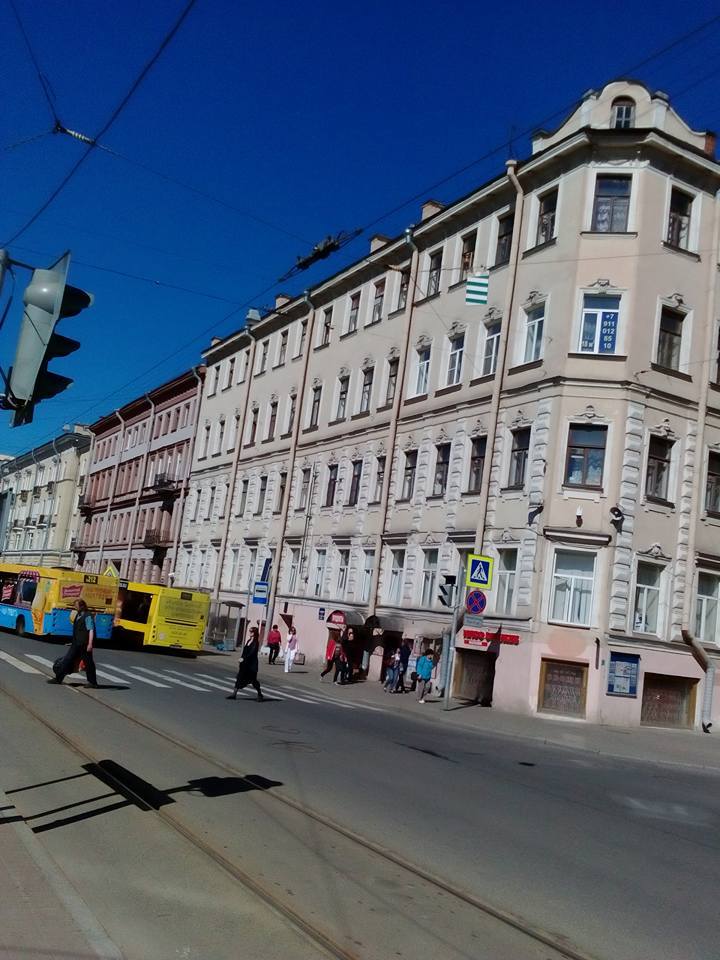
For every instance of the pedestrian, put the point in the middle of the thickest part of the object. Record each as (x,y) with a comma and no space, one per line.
(274,640)
(291,649)
(80,654)
(346,654)
(332,655)
(425,666)
(392,672)
(247,674)
(405,650)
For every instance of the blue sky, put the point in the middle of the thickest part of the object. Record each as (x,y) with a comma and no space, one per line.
(314,118)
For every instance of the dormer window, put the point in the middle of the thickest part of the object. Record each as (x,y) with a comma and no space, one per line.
(623,113)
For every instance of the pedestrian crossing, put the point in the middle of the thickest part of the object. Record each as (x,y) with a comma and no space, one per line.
(166,678)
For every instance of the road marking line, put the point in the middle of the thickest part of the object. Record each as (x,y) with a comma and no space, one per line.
(136,676)
(77,676)
(208,683)
(24,667)
(180,683)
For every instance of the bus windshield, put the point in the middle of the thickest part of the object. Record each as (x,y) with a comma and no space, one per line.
(133,605)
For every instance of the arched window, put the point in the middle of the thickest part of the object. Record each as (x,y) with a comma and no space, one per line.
(623,113)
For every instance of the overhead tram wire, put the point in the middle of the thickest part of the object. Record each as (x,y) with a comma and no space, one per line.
(42,78)
(108,123)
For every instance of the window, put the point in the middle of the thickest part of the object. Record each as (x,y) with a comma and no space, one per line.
(409,474)
(343,566)
(546,217)
(212,383)
(429,578)
(572,587)
(623,113)
(229,373)
(423,371)
(262,492)
(243,498)
(303,337)
(477,463)
(357,467)
(490,351)
(366,391)
(534,321)
(304,489)
(706,612)
(455,360)
(264,348)
(232,436)
(219,437)
(647,598)
(504,238)
(505,581)
(343,387)
(658,468)
(234,566)
(434,270)
(244,364)
(612,204)
(210,503)
(467,255)
(585,456)
(272,420)
(326,327)
(378,301)
(678,233)
(292,403)
(670,338)
(403,289)
(353,313)
(519,457)
(712,484)
(331,485)
(598,328)
(379,479)
(315,406)
(252,563)
(206,441)
(282,484)
(391,381)
(282,350)
(319,578)
(293,568)
(367,575)
(253,426)
(397,571)
(442,465)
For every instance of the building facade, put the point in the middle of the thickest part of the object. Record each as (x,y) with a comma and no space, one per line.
(357,443)
(39,493)
(136,483)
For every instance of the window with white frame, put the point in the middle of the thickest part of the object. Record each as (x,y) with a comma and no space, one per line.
(326,329)
(244,364)
(455,359)
(428,586)
(611,206)
(505,581)
(519,457)
(434,272)
(353,312)
(657,477)
(378,302)
(367,575)
(403,288)
(504,238)
(572,587)
(252,563)
(534,322)
(623,113)
(242,505)
(477,463)
(355,479)
(272,419)
(262,493)
(366,390)
(229,373)
(442,468)
(315,406)
(304,489)
(205,441)
(213,380)
(291,407)
(669,350)
(293,567)
(678,230)
(264,350)
(706,609)
(396,576)
(252,433)
(712,484)
(599,324)
(422,372)
(491,348)
(646,611)
(282,484)
(547,208)
(282,348)
(331,485)
(302,337)
(342,577)
(585,458)
(409,471)
(343,387)
(233,568)
(467,255)
(379,479)
(392,377)
(319,574)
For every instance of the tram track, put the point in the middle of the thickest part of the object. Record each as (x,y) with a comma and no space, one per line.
(562,949)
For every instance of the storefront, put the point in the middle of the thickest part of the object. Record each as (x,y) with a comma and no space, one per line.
(339,623)
(476,655)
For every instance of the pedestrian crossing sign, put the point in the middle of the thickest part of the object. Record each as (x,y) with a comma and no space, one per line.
(479,572)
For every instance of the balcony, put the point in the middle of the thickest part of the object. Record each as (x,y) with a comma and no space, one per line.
(42,519)
(29,521)
(155,538)
(51,487)
(165,485)
(84,505)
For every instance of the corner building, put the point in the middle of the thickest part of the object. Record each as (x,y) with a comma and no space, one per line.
(356,443)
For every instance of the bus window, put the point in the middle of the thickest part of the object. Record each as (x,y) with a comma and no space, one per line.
(28,588)
(8,589)
(135,606)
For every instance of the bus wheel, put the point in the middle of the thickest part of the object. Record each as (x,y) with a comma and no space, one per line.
(20,626)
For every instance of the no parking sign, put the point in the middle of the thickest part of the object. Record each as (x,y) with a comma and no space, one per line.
(475,602)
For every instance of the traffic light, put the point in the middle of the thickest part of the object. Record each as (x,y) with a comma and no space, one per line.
(447,590)
(48,298)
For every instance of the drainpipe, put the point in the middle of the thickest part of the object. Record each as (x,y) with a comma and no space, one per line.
(186,479)
(141,485)
(511,166)
(394,420)
(113,485)
(299,410)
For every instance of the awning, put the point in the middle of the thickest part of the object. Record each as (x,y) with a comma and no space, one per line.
(343,618)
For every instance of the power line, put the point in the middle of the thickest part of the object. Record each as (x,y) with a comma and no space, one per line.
(42,79)
(106,126)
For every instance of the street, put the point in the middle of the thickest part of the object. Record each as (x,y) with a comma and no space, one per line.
(321,822)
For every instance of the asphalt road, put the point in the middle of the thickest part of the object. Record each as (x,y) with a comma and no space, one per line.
(621,858)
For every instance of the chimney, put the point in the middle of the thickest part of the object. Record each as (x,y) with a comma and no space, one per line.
(281,299)
(710,141)
(430,208)
(377,241)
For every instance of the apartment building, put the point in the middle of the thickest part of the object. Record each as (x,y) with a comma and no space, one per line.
(39,500)
(132,500)
(359,441)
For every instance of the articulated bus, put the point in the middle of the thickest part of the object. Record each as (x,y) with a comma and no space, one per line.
(40,600)
(152,615)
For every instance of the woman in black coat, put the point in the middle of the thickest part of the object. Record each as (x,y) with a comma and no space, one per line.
(248,666)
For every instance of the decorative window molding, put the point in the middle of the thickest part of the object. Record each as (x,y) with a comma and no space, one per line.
(456,329)
(343,372)
(423,342)
(367,364)
(602,283)
(664,430)
(577,537)
(478,429)
(410,443)
(519,421)
(654,551)
(393,353)
(534,299)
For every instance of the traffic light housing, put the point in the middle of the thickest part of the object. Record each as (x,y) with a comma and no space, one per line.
(446,596)
(48,298)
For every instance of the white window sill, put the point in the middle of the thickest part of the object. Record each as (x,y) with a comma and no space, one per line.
(563,623)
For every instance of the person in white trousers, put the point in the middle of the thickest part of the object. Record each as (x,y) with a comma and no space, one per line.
(290,649)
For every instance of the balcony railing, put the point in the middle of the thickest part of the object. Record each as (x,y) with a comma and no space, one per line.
(42,518)
(164,483)
(84,504)
(51,486)
(29,521)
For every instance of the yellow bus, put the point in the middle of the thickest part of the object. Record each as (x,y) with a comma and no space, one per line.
(40,600)
(150,615)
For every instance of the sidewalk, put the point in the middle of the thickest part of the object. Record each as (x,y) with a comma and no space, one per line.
(652,744)
(41,916)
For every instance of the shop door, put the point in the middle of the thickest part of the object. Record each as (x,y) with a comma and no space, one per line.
(668,701)
(476,677)
(563,686)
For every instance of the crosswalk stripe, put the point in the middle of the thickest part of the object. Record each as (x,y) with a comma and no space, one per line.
(25,667)
(180,683)
(77,676)
(136,676)
(208,683)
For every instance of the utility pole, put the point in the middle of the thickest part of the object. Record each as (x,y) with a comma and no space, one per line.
(450,656)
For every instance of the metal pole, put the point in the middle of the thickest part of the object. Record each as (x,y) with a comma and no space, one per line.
(459,592)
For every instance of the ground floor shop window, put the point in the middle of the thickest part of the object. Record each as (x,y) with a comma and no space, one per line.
(668,701)
(563,687)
